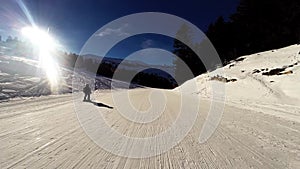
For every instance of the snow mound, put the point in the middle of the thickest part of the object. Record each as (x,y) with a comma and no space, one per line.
(266,77)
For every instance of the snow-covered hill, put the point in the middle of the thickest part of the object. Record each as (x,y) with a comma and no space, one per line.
(267,77)
(23,77)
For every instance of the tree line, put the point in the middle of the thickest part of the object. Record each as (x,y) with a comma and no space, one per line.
(256,26)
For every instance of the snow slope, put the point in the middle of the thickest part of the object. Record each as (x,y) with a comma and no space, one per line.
(22,77)
(267,77)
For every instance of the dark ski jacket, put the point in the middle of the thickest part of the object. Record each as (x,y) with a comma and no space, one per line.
(87,90)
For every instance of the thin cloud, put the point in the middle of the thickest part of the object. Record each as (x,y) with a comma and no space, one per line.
(147,44)
(110,31)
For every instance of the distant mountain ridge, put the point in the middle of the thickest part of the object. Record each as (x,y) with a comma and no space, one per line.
(127,64)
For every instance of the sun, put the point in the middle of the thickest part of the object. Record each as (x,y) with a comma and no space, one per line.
(45,45)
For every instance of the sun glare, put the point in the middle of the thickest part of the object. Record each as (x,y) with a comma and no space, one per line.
(46,45)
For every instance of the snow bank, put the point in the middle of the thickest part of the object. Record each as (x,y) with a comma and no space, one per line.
(267,77)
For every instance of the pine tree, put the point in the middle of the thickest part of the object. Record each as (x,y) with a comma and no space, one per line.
(186,60)
(257,26)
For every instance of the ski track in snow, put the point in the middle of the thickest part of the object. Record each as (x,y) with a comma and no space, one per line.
(45,133)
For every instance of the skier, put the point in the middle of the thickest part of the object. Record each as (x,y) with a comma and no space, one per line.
(87,92)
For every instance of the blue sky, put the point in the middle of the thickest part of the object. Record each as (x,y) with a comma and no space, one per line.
(72,22)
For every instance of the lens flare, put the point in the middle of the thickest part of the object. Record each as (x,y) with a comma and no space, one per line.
(46,45)
(39,37)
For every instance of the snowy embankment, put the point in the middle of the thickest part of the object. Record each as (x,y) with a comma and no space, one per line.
(22,77)
(266,82)
(271,77)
